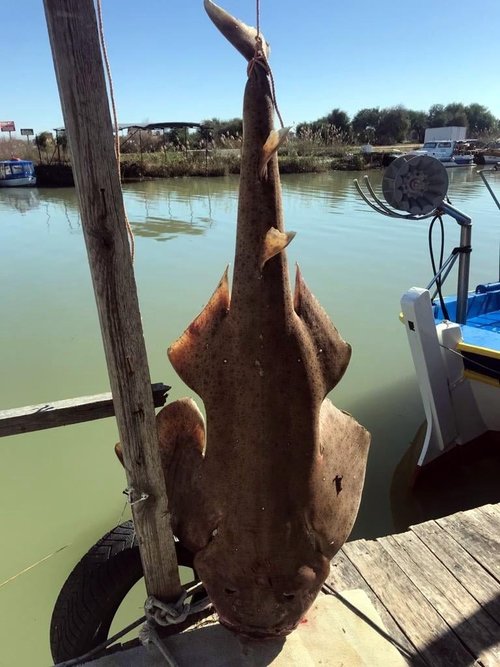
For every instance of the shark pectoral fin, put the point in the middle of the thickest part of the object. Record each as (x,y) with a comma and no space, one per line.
(180,424)
(274,242)
(241,36)
(332,351)
(338,476)
(178,421)
(119,452)
(189,351)
(181,439)
(273,142)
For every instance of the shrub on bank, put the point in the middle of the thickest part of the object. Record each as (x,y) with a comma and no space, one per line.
(171,165)
(213,165)
(290,164)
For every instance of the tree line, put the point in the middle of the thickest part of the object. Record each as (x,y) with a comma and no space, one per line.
(398,124)
(385,126)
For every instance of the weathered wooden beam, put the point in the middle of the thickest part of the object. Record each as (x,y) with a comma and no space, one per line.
(63,413)
(78,63)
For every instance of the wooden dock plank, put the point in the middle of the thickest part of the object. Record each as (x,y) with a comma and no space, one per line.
(480,584)
(462,613)
(492,516)
(476,537)
(481,520)
(417,618)
(344,577)
(492,510)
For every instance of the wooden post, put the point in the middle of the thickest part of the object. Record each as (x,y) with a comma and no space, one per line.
(79,70)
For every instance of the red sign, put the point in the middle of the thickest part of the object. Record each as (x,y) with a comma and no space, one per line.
(7,126)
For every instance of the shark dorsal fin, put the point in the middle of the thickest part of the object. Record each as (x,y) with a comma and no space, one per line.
(275,139)
(274,242)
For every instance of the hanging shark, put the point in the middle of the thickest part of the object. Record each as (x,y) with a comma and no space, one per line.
(266,492)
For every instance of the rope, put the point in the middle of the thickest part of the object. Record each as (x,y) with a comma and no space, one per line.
(90,654)
(259,57)
(148,635)
(172,613)
(471,361)
(439,283)
(329,590)
(130,491)
(165,613)
(102,41)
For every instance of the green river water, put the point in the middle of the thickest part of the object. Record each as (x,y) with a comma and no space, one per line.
(61,489)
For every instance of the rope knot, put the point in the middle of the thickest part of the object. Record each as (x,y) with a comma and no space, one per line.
(167,613)
(259,58)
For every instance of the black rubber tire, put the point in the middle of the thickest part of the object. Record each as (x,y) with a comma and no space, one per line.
(94,590)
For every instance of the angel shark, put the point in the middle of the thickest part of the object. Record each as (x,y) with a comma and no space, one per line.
(267,492)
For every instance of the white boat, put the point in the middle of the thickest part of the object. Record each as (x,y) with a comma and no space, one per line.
(454,340)
(17,173)
(448,153)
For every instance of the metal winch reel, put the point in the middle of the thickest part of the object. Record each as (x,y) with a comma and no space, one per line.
(415,184)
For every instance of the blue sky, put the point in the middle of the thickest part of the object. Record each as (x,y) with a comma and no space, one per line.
(170,64)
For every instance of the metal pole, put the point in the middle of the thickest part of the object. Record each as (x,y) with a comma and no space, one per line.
(140,149)
(481,173)
(464,260)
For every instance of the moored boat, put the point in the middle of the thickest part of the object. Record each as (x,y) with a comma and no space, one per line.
(455,345)
(17,173)
(449,153)
(454,340)
(490,154)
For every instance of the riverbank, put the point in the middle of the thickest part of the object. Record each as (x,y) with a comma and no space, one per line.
(226,162)
(201,163)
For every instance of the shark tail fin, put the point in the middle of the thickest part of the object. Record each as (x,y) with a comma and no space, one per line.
(242,36)
(333,353)
(189,353)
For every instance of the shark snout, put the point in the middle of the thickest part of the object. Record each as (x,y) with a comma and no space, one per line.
(263,601)
(271,606)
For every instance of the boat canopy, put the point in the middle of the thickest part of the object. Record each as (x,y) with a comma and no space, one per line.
(15,168)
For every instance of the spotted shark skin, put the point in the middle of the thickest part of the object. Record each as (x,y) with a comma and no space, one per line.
(267,491)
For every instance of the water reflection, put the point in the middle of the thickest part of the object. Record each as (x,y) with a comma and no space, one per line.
(166,230)
(65,197)
(182,190)
(332,187)
(20,199)
(464,183)
(165,208)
